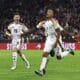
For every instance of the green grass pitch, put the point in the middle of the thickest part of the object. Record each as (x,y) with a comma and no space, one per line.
(66,69)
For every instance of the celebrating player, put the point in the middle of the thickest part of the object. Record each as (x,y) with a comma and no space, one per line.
(53,35)
(59,51)
(15,31)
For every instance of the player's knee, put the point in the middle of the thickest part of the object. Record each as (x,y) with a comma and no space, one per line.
(14,50)
(59,57)
(45,54)
(19,53)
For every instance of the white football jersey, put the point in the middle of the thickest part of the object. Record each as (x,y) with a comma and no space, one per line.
(16,30)
(50,28)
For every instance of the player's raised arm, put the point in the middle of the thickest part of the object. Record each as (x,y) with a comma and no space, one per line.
(40,24)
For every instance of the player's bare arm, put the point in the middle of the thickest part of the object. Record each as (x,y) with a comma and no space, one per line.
(8,33)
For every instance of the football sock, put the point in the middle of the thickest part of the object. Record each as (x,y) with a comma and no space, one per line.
(14,57)
(65,53)
(43,63)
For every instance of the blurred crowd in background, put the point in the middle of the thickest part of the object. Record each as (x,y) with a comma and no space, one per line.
(32,11)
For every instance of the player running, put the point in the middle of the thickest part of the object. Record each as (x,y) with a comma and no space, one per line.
(53,35)
(59,50)
(15,31)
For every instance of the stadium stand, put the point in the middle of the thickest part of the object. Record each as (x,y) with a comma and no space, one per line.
(67,12)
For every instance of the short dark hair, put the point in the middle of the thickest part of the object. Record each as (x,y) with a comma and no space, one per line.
(16,13)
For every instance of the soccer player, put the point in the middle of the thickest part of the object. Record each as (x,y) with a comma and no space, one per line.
(15,30)
(60,48)
(53,35)
(59,51)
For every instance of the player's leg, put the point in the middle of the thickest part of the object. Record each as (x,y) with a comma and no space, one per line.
(22,55)
(52,53)
(23,58)
(14,57)
(60,54)
(48,47)
(65,53)
(43,65)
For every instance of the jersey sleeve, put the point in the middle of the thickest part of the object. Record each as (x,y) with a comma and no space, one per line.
(58,26)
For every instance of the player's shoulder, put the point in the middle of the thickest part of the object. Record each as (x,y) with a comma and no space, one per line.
(11,23)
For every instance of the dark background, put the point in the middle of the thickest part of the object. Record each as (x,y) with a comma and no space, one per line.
(31,11)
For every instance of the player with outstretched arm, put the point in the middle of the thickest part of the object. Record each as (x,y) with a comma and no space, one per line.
(53,35)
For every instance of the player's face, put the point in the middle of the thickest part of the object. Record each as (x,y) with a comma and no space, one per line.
(50,13)
(16,18)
